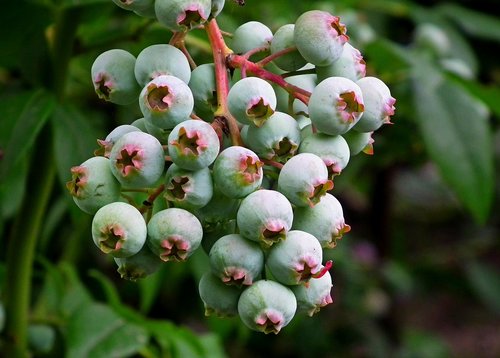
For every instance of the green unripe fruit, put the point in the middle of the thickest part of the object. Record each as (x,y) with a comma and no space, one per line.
(202,84)
(93,185)
(219,299)
(350,65)
(314,296)
(182,15)
(359,142)
(174,234)
(217,6)
(113,77)
(140,265)
(334,151)
(188,189)
(119,229)
(283,38)
(251,35)
(267,306)
(107,143)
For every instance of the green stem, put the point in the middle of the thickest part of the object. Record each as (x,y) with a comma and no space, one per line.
(22,245)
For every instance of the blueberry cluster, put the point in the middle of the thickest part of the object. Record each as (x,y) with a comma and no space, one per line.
(173,181)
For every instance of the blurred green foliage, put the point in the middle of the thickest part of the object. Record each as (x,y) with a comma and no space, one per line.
(418,276)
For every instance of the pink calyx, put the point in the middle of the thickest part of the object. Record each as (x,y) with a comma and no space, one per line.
(175,248)
(324,269)
(318,189)
(338,29)
(129,160)
(350,106)
(306,267)
(270,321)
(103,85)
(259,110)
(192,16)
(159,98)
(389,110)
(112,238)
(273,232)
(250,169)
(238,276)
(190,142)
(79,179)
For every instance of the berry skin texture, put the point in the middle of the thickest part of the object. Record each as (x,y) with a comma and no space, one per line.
(265,216)
(119,229)
(379,104)
(107,143)
(314,296)
(267,306)
(284,38)
(113,77)
(359,142)
(137,160)
(161,59)
(202,84)
(237,172)
(295,260)
(174,234)
(93,185)
(219,299)
(140,265)
(350,65)
(320,37)
(325,221)
(236,260)
(251,35)
(166,101)
(304,179)
(336,105)
(193,144)
(252,100)
(182,15)
(188,189)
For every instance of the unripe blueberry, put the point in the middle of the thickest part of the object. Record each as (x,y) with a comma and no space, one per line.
(277,139)
(336,105)
(182,15)
(174,234)
(113,77)
(119,229)
(202,84)
(251,35)
(295,260)
(325,221)
(236,260)
(251,100)
(107,143)
(237,171)
(379,104)
(137,160)
(193,144)
(267,306)
(188,189)
(265,216)
(219,209)
(159,133)
(140,123)
(359,142)
(217,6)
(315,295)
(283,38)
(219,299)
(334,151)
(306,82)
(320,37)
(93,185)
(144,8)
(140,265)
(350,65)
(161,59)
(166,101)
(304,179)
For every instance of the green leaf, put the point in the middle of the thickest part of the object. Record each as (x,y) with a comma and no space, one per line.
(390,60)
(457,135)
(28,124)
(485,281)
(473,22)
(74,139)
(97,331)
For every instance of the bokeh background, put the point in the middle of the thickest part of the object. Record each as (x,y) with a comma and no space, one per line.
(417,276)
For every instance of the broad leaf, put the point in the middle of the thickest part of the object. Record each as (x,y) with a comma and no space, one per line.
(485,281)
(456,132)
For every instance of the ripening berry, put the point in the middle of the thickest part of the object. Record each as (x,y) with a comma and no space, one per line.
(182,15)
(193,144)
(304,179)
(283,38)
(119,229)
(93,185)
(237,172)
(251,100)
(219,299)
(336,105)
(315,295)
(140,265)
(174,234)
(320,37)
(188,189)
(251,35)
(137,160)
(359,142)
(236,260)
(334,151)
(325,221)
(107,143)
(267,306)
(161,59)
(350,65)
(295,260)
(113,77)
(379,104)
(145,8)
(166,101)
(265,216)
